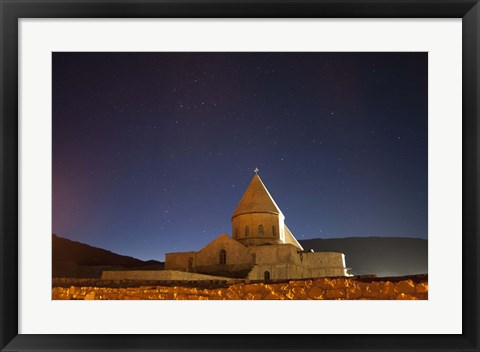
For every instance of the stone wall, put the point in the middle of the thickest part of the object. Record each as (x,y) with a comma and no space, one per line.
(179,261)
(284,261)
(321,264)
(236,253)
(156,275)
(207,260)
(276,254)
(277,271)
(407,288)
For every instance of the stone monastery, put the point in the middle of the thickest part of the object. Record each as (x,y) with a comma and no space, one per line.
(261,247)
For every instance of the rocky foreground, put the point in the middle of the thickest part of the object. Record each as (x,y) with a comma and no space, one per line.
(407,288)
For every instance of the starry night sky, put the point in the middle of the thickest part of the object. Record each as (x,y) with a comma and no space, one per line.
(153,151)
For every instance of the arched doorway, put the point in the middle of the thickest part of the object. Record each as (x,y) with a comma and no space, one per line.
(266,275)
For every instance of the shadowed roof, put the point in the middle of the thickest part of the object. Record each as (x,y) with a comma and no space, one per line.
(290,238)
(256,199)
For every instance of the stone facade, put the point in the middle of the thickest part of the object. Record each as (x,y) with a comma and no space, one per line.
(261,247)
(286,262)
(157,275)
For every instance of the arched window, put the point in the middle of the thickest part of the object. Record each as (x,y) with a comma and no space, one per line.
(274,231)
(260,230)
(223,256)
(247,230)
(190,263)
(266,275)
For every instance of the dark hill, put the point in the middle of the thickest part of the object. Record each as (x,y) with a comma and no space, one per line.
(383,256)
(76,259)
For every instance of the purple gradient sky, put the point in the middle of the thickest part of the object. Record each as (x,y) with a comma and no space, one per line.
(153,151)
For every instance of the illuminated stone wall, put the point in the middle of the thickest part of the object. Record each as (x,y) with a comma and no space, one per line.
(156,275)
(285,262)
(325,288)
(207,260)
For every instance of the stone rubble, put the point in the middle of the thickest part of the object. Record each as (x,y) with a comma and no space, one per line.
(316,289)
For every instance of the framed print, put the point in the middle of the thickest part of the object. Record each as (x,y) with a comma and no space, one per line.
(153,154)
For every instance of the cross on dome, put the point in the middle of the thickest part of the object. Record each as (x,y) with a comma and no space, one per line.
(256,170)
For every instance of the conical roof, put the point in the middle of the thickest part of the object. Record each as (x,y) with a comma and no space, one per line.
(256,199)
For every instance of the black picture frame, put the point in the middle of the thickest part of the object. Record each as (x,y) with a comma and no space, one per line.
(12,10)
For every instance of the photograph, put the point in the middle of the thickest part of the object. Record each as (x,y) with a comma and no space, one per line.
(175,174)
(311,165)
